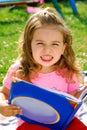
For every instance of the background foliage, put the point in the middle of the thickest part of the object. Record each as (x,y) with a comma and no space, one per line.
(12,22)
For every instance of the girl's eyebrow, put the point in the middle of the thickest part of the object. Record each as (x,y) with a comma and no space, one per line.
(51,41)
(57,41)
(39,40)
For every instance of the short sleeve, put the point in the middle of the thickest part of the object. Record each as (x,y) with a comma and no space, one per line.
(10,73)
(74,85)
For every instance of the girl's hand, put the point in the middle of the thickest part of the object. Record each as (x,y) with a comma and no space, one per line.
(9,109)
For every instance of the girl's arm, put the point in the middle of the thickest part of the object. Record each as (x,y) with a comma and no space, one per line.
(4,92)
(77,93)
(5,108)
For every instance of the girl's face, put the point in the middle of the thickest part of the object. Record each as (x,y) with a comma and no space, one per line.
(47,46)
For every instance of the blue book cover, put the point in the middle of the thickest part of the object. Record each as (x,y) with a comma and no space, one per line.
(51,108)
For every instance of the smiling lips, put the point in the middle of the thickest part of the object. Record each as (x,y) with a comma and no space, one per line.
(46,58)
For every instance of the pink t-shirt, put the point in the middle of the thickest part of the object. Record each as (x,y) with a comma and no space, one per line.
(48,80)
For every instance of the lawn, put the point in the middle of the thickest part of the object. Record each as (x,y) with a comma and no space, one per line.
(12,23)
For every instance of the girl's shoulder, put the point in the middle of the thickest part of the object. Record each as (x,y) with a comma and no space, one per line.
(11,73)
(14,67)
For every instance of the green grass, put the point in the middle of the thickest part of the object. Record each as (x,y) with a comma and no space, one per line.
(13,22)
(78,26)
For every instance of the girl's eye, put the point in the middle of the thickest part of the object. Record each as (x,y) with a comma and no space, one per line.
(55,44)
(39,43)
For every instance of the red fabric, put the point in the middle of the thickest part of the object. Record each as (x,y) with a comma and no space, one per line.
(28,126)
(74,125)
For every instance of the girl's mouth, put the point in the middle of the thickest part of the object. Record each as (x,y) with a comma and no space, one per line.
(46,58)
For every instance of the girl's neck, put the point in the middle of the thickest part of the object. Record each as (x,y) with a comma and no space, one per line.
(47,70)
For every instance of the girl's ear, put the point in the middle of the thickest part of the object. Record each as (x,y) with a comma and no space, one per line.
(64,47)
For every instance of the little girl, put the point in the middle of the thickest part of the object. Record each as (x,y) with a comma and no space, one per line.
(46,58)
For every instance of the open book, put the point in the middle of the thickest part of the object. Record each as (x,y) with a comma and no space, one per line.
(46,107)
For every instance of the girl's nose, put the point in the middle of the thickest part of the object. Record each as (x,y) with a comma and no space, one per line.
(47,48)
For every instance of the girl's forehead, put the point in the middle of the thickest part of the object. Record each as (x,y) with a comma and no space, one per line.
(47,33)
(49,26)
